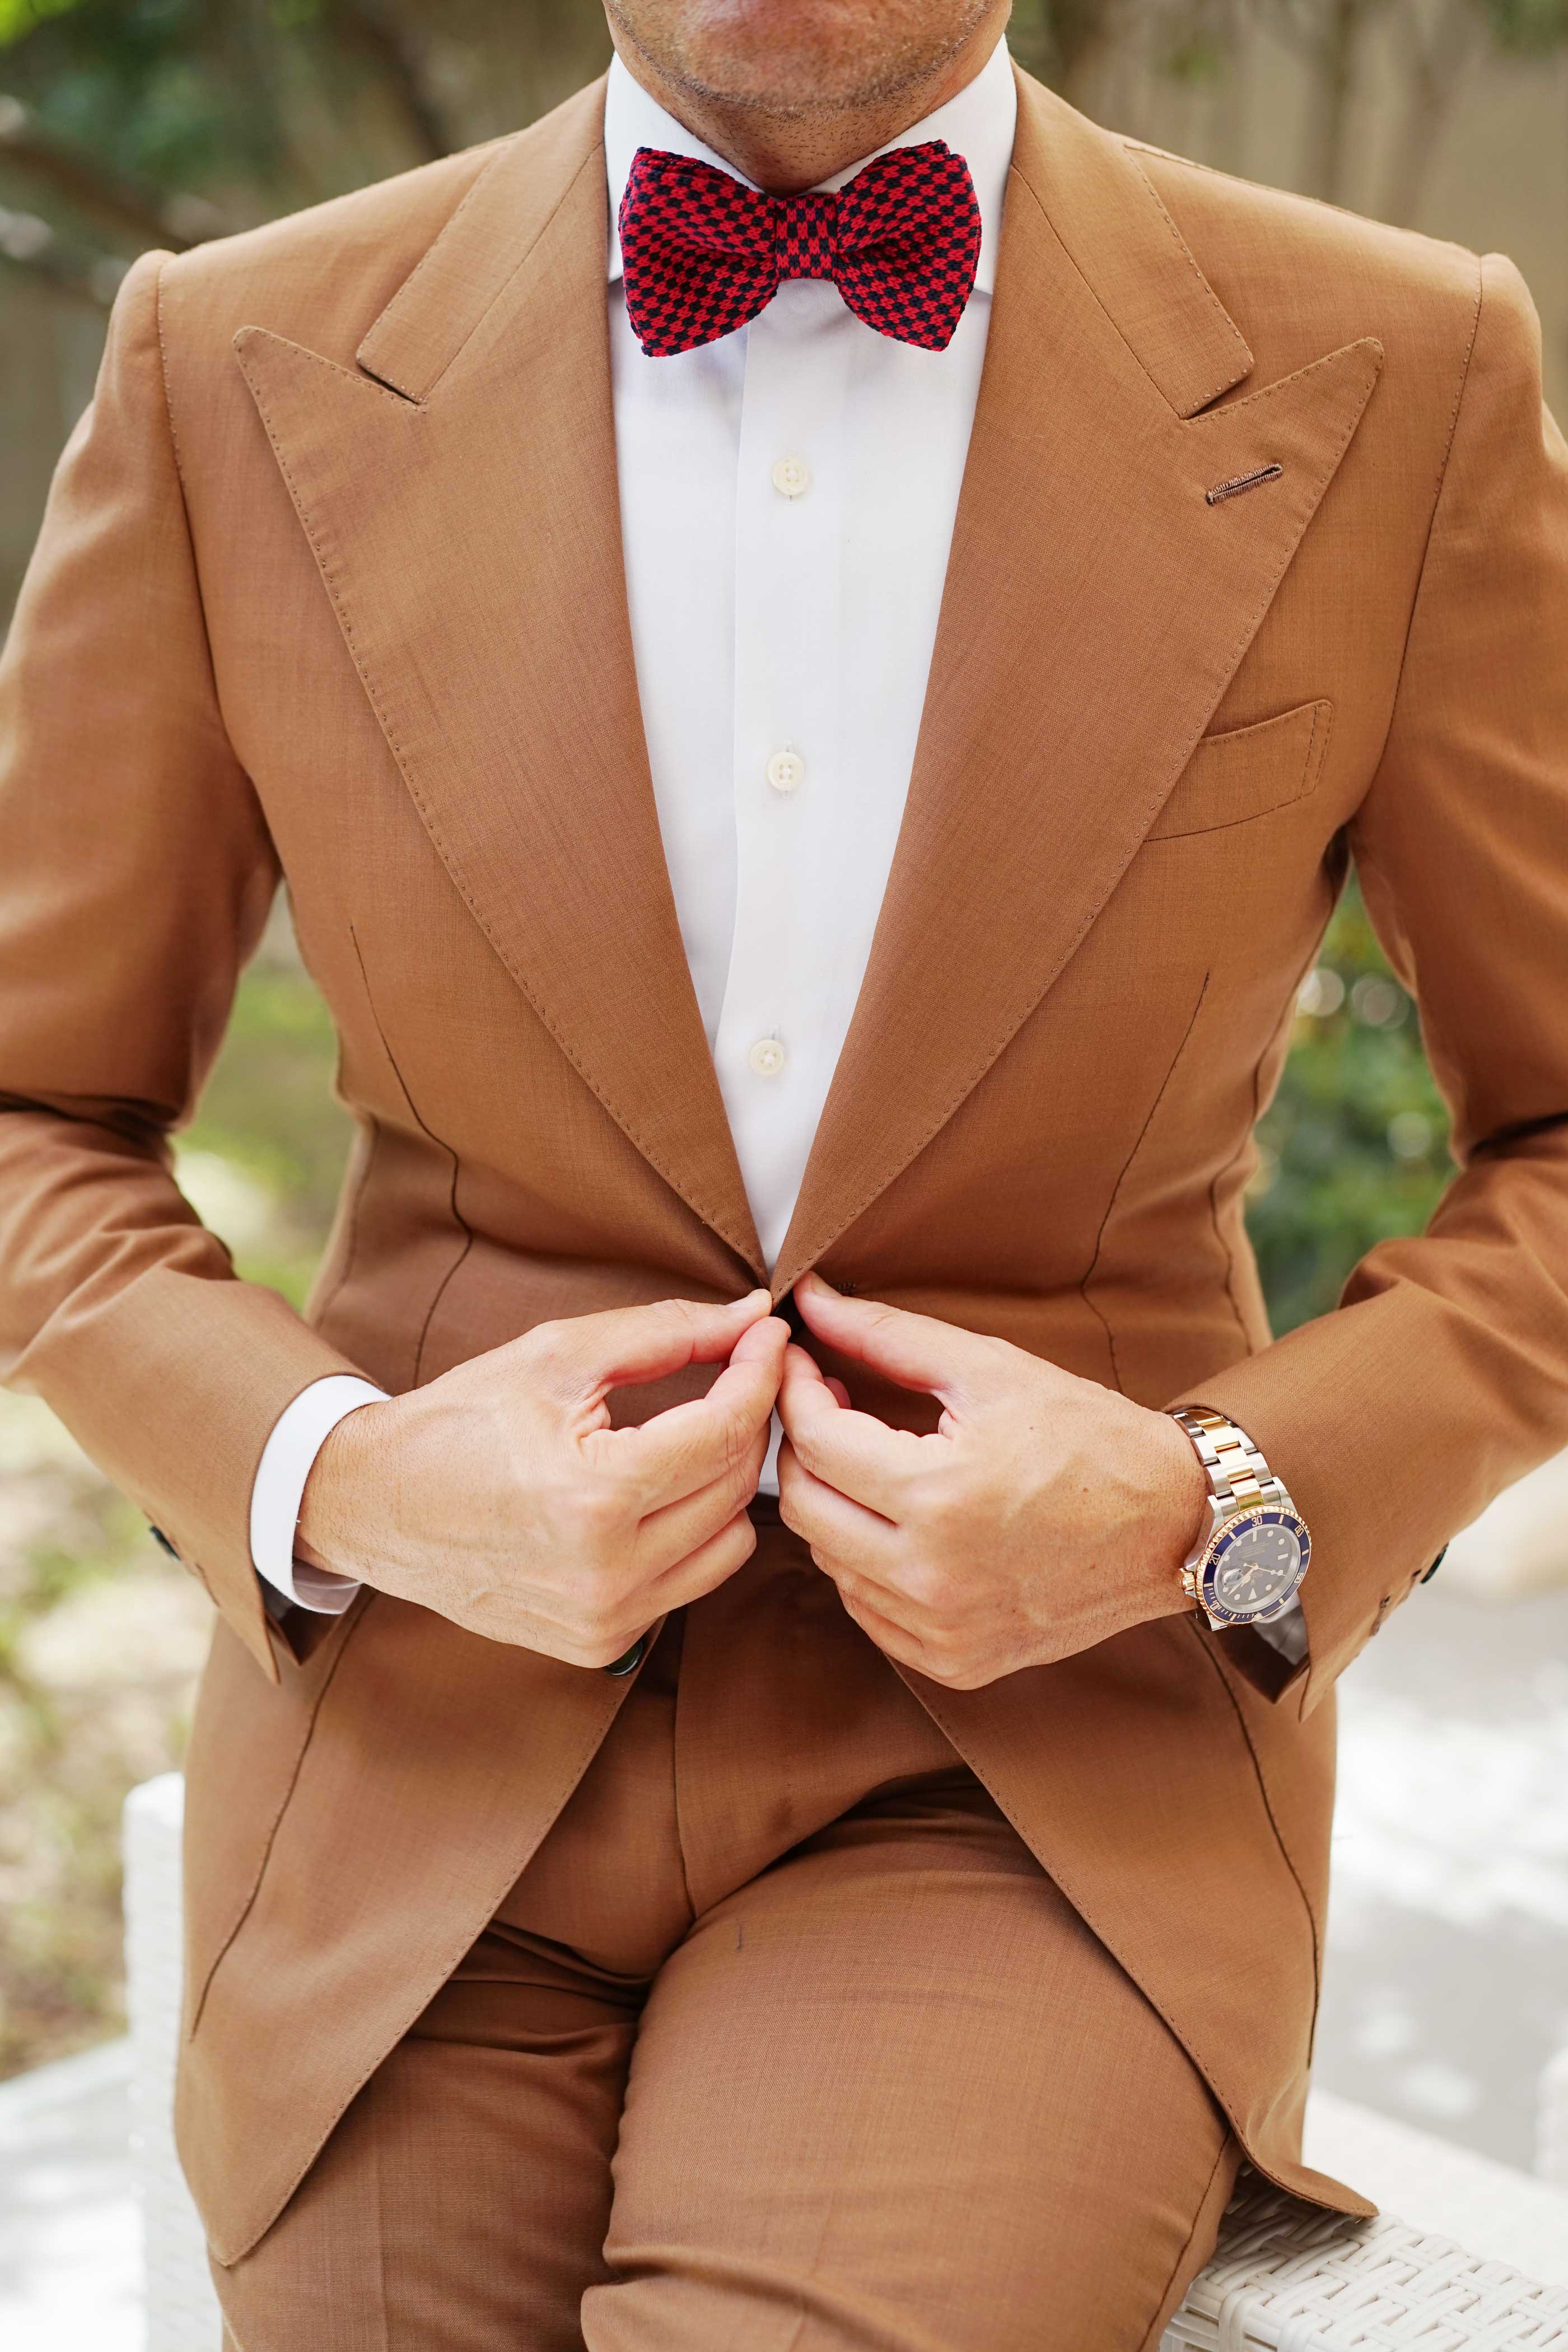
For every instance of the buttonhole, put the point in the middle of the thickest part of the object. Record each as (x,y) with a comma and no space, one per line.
(1239,482)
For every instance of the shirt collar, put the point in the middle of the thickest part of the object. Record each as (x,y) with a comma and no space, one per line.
(978,124)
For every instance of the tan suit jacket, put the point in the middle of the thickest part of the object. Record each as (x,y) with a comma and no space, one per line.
(330,587)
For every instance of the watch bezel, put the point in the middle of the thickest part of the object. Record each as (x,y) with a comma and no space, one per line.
(1252,1515)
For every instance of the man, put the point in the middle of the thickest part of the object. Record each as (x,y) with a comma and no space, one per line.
(648,1914)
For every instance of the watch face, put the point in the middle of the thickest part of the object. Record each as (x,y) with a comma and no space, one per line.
(1255,1566)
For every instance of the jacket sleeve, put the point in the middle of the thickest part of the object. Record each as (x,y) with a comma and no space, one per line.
(136,872)
(1443,1374)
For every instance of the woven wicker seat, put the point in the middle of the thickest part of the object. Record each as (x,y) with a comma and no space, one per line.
(1286,2275)
(1293,2279)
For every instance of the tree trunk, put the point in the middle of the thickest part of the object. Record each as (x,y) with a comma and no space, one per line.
(1332,90)
(395,54)
(1433,70)
(1227,147)
(1086,33)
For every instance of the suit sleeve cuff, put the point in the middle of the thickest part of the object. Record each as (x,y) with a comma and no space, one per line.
(287,1460)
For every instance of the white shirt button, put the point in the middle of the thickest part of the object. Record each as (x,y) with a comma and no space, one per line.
(767,1058)
(792,478)
(786,771)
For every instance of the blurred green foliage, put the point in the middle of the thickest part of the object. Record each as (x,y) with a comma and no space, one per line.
(268,1113)
(1352,1150)
(65,1760)
(239,110)
(191,95)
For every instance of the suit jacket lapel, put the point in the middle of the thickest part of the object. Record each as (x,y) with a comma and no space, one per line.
(1095,610)
(460,496)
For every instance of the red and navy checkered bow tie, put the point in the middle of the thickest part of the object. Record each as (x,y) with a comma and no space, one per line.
(703,253)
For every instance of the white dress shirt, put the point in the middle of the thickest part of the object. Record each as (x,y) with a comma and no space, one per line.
(788,503)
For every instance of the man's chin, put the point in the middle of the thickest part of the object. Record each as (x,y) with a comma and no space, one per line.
(795,59)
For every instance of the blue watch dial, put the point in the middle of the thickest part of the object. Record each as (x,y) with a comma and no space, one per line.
(1254,1568)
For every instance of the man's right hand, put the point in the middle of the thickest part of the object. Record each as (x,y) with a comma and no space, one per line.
(501,1497)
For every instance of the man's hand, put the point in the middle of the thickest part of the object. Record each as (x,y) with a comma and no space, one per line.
(1046,1514)
(501,1497)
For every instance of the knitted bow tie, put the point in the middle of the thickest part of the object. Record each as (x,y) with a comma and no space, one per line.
(703,254)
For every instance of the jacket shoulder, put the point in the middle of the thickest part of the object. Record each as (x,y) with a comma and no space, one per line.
(1301,278)
(319,276)
(323,277)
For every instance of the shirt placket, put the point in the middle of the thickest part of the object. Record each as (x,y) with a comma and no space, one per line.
(790,510)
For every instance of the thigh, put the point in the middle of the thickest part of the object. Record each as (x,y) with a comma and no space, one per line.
(893,2097)
(460,2204)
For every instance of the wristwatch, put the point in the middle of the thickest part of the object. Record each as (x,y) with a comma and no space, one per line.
(1246,1567)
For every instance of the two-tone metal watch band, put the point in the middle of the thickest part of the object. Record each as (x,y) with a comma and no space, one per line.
(1239,1478)
(1247,1563)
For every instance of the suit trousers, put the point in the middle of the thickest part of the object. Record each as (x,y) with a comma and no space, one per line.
(783,2040)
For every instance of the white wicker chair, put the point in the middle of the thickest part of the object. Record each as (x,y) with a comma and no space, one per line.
(1293,2279)
(182,2309)
(1286,2278)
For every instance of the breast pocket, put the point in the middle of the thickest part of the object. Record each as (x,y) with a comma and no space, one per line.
(1247,773)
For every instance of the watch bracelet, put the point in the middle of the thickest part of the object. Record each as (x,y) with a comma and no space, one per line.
(1239,1476)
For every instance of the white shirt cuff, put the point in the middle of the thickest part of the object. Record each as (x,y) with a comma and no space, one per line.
(288,1458)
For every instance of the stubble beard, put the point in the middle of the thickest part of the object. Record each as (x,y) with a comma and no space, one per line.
(812,83)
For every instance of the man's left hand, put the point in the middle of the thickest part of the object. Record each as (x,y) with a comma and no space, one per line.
(1045,1514)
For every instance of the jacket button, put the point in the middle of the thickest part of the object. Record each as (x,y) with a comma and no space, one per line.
(633,1659)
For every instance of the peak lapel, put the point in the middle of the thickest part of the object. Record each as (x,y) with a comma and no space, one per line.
(1095,610)
(460,497)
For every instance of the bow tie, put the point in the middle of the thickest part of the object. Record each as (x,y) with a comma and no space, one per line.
(703,254)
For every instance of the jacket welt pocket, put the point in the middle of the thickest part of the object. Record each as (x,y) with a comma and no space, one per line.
(1248,772)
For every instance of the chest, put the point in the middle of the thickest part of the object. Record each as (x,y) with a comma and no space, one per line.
(787,498)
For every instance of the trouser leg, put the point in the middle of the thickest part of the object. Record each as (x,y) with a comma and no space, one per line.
(887,2094)
(894,2096)
(461,2205)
